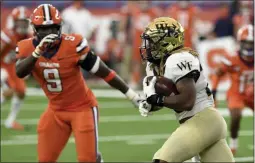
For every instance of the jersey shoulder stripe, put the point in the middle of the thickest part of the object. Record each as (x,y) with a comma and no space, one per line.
(82,45)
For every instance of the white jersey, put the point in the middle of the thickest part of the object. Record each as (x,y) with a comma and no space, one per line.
(177,66)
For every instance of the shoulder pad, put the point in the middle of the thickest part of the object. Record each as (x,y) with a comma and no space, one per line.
(24,48)
(76,41)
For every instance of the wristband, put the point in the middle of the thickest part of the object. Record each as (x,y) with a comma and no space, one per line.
(130,94)
(156,100)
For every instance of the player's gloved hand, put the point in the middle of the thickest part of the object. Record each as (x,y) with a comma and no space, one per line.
(150,93)
(134,97)
(44,45)
(144,108)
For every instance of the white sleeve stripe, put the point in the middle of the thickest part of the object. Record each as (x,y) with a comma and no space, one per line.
(226,61)
(96,66)
(82,45)
(5,38)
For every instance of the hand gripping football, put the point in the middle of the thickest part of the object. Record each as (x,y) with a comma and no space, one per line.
(164,86)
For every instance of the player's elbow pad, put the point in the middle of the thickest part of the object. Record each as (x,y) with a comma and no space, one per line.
(91,62)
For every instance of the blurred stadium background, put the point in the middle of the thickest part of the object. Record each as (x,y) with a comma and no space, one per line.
(113,29)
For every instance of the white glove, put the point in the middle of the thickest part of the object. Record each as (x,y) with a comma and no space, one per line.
(134,97)
(144,108)
(44,44)
(149,87)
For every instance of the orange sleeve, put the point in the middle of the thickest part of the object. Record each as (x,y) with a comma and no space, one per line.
(222,69)
(215,80)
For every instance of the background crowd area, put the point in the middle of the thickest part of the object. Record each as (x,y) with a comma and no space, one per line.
(113,29)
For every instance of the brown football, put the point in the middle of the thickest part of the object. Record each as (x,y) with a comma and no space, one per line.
(164,86)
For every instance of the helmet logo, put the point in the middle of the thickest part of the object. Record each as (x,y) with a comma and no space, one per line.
(162,26)
(38,17)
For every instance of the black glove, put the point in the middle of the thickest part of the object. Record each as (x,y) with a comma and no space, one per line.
(156,100)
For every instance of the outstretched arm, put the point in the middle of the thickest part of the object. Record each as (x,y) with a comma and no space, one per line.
(220,71)
(93,64)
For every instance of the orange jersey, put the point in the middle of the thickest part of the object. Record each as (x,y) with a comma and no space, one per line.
(241,76)
(186,18)
(60,76)
(9,39)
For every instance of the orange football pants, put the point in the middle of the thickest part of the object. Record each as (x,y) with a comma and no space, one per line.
(17,84)
(55,128)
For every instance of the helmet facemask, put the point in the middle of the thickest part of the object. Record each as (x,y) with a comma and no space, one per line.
(149,50)
(41,31)
(247,51)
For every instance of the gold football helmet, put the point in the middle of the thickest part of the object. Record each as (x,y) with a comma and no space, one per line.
(162,36)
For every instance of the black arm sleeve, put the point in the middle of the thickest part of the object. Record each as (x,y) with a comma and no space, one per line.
(89,61)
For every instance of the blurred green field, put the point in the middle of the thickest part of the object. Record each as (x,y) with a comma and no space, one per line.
(124,135)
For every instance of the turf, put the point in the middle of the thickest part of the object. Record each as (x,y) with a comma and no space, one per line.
(124,134)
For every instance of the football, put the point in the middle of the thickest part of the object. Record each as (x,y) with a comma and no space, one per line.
(164,86)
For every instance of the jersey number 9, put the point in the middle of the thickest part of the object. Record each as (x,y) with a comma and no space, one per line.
(53,80)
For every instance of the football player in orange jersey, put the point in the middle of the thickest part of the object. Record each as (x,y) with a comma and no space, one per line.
(55,60)
(241,70)
(12,86)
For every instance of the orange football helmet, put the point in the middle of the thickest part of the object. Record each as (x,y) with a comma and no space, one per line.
(19,20)
(46,20)
(245,37)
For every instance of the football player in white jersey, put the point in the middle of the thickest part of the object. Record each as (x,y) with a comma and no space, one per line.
(202,129)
